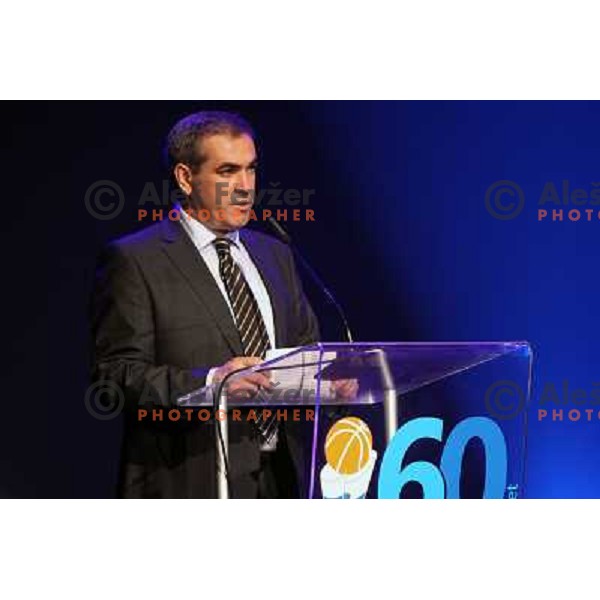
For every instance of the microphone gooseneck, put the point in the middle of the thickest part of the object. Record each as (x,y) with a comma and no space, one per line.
(284,236)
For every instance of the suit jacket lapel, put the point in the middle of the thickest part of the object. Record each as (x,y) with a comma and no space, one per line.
(265,265)
(189,263)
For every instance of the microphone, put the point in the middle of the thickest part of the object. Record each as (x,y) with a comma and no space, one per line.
(285,237)
(282,234)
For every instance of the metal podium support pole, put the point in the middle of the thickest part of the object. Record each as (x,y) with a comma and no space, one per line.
(221,435)
(222,446)
(390,403)
(390,411)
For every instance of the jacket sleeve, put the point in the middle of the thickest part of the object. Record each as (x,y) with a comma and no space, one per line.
(123,352)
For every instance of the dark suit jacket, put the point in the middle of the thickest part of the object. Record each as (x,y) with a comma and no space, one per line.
(159,324)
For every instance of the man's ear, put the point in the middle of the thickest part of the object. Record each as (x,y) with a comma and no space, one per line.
(183,176)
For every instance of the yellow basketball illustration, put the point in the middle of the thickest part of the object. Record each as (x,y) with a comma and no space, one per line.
(348,445)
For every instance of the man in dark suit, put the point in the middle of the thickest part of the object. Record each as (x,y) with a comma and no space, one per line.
(184,302)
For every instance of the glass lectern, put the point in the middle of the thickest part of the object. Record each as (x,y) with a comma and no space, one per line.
(395,420)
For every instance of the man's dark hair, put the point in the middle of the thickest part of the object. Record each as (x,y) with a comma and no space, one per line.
(183,141)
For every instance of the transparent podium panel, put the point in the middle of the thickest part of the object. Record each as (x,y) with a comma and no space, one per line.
(399,420)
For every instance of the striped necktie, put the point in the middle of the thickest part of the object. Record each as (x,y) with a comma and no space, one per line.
(249,322)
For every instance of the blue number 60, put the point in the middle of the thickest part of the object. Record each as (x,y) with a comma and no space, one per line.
(392,477)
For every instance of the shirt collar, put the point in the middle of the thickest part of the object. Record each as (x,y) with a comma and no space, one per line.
(200,233)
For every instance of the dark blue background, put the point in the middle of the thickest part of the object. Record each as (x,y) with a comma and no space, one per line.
(402,236)
(418,173)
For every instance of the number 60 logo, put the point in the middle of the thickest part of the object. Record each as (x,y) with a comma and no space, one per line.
(443,482)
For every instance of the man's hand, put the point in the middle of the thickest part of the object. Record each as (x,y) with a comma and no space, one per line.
(344,389)
(243,385)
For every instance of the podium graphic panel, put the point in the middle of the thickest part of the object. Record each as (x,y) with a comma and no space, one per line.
(461,426)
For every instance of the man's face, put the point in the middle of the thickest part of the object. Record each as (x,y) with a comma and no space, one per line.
(225,183)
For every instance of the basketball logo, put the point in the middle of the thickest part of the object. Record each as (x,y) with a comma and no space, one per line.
(348,445)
